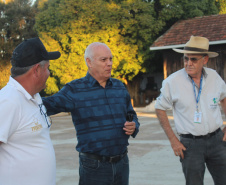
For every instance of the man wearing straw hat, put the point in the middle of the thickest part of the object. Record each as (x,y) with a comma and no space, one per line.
(194,94)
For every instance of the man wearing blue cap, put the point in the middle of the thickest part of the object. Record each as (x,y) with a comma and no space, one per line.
(26,152)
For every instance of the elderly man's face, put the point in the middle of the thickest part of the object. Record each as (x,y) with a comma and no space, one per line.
(193,64)
(101,65)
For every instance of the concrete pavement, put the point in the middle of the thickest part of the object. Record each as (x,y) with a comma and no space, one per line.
(152,161)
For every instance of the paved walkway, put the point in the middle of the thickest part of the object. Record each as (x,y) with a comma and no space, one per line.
(152,161)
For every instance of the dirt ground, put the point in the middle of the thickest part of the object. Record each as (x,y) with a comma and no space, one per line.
(152,161)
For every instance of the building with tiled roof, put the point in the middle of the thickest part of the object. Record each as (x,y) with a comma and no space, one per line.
(212,27)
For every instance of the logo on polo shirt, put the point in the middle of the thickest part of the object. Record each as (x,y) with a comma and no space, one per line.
(214,100)
(214,104)
(37,126)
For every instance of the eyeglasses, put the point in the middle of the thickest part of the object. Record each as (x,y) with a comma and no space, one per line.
(43,112)
(192,59)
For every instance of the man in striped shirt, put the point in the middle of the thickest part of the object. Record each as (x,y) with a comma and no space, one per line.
(103,117)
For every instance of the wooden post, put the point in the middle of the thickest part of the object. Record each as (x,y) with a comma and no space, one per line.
(165,68)
(132,101)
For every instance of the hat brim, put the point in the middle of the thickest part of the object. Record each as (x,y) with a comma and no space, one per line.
(209,53)
(53,55)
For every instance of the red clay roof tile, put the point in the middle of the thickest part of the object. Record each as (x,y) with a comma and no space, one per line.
(213,27)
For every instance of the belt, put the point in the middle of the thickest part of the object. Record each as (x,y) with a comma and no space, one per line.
(201,137)
(111,159)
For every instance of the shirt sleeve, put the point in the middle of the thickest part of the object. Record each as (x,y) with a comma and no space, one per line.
(223,88)
(9,114)
(59,102)
(164,101)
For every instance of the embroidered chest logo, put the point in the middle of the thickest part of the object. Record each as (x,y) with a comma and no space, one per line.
(214,100)
(37,126)
(214,103)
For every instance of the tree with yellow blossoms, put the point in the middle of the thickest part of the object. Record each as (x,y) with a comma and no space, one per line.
(222,6)
(128,27)
(77,23)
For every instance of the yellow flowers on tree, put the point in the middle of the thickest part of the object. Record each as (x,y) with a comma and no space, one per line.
(4,73)
(128,27)
(222,6)
(75,25)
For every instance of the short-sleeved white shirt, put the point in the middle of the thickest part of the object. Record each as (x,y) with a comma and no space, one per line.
(27,155)
(177,92)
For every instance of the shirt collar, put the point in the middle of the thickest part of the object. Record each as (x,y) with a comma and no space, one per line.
(94,82)
(20,88)
(204,72)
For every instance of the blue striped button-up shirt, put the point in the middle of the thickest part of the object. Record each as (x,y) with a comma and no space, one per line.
(98,114)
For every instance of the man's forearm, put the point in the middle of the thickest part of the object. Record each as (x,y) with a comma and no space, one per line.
(223,105)
(176,145)
(164,122)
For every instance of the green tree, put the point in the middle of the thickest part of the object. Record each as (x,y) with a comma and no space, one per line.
(16,23)
(76,24)
(128,27)
(145,23)
(221,4)
(169,12)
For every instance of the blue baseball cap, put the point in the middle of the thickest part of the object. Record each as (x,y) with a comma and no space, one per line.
(32,51)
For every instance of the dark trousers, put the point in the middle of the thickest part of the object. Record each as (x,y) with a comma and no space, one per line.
(201,153)
(95,172)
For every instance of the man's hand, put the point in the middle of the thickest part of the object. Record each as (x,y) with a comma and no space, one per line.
(129,127)
(178,147)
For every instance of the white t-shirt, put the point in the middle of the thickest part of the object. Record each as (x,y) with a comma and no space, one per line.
(27,155)
(177,92)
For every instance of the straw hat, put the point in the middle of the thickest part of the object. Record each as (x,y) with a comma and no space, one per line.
(197,45)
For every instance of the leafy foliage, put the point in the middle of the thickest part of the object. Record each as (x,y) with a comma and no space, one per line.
(4,73)
(128,27)
(16,23)
(79,23)
(197,8)
(221,4)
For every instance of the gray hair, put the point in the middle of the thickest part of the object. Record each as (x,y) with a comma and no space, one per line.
(17,71)
(89,50)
